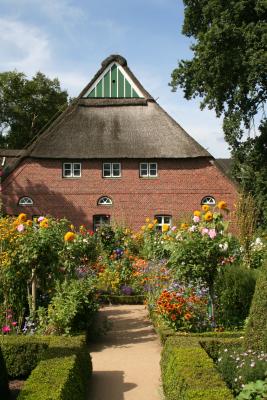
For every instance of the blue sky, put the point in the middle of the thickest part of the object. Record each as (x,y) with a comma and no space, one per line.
(69,39)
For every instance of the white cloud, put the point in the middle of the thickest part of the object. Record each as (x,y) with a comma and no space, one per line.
(22,47)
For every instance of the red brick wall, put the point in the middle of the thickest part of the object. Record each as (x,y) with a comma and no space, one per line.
(179,188)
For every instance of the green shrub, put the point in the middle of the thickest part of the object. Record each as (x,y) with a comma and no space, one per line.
(256,330)
(21,354)
(239,368)
(234,287)
(189,373)
(3,378)
(214,346)
(254,390)
(63,372)
(72,308)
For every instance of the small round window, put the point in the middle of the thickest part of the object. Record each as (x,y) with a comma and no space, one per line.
(25,201)
(104,201)
(209,200)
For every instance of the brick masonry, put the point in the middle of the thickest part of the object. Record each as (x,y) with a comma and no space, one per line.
(178,189)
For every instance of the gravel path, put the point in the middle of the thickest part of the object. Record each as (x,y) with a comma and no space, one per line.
(126,364)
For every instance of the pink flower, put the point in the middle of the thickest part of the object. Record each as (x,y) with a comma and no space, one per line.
(174,228)
(40,219)
(14,323)
(9,316)
(204,231)
(20,228)
(196,219)
(212,233)
(6,329)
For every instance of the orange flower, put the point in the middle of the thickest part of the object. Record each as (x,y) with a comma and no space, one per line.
(184,226)
(208,216)
(187,316)
(150,226)
(197,213)
(69,236)
(173,317)
(22,217)
(44,223)
(222,205)
(29,222)
(165,228)
(205,207)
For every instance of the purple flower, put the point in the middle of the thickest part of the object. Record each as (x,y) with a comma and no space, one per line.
(127,290)
(40,219)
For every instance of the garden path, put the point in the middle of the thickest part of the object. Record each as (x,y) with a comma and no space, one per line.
(126,363)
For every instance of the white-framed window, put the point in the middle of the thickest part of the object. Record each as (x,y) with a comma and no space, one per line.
(100,220)
(209,200)
(163,220)
(25,201)
(72,170)
(104,201)
(148,169)
(112,170)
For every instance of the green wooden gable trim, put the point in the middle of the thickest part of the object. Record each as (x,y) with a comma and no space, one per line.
(114,83)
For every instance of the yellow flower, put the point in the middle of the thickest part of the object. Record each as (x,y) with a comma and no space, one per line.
(143,228)
(165,228)
(208,216)
(205,207)
(72,227)
(69,236)
(29,222)
(147,220)
(150,226)
(155,221)
(184,226)
(197,213)
(222,205)
(22,217)
(44,223)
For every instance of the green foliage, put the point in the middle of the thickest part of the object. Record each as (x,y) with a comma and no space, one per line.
(239,368)
(72,308)
(3,377)
(62,374)
(256,330)
(254,391)
(26,106)
(228,71)
(234,288)
(188,372)
(21,355)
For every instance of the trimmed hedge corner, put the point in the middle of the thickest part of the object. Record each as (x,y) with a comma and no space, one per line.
(188,372)
(21,354)
(4,390)
(63,372)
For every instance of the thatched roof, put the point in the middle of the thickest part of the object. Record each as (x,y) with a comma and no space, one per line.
(115,128)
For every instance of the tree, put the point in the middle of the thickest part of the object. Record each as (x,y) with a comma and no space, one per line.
(26,106)
(229,72)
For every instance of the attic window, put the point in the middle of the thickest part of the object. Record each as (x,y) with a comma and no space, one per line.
(209,200)
(104,201)
(25,201)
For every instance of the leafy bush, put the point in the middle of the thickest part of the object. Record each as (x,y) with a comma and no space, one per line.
(188,372)
(254,391)
(72,308)
(62,374)
(21,354)
(234,288)
(4,390)
(239,368)
(256,330)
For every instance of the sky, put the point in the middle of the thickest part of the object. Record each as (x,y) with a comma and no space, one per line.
(69,39)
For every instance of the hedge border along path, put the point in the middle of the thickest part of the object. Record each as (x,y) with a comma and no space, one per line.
(189,373)
(62,373)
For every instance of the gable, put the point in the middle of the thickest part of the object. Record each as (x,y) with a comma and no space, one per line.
(114,82)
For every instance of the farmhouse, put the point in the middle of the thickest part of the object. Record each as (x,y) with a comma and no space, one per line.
(113,155)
